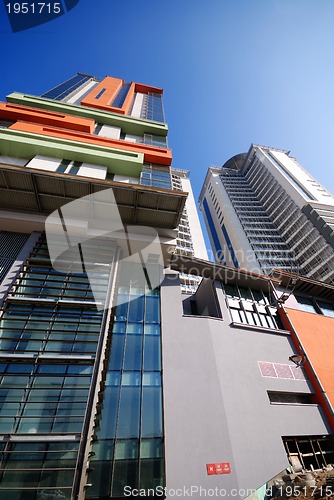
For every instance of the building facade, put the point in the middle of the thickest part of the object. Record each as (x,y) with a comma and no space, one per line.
(80,347)
(246,404)
(264,211)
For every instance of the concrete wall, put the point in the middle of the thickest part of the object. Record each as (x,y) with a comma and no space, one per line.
(216,403)
(206,299)
(137,105)
(134,138)
(95,171)
(11,160)
(300,176)
(44,163)
(304,179)
(51,164)
(126,178)
(111,132)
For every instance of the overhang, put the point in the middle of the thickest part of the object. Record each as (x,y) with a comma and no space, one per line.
(27,145)
(33,191)
(304,285)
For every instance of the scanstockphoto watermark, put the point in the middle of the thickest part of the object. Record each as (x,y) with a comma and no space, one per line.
(250,265)
(88,236)
(191,491)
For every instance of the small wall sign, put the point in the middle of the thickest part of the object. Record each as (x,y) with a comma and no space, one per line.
(220,468)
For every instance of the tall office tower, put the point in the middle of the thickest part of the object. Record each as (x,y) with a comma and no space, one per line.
(81,387)
(264,211)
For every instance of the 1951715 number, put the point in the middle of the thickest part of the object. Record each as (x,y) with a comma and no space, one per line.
(295,491)
(33,8)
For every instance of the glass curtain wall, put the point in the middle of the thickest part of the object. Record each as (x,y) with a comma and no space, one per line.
(128,438)
(49,332)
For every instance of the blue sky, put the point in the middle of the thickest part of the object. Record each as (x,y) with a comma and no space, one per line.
(233,71)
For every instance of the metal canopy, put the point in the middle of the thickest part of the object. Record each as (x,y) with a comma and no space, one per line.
(35,191)
(304,285)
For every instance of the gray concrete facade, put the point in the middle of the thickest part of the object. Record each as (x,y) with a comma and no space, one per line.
(216,405)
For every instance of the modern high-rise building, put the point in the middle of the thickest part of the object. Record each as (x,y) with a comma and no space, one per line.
(130,365)
(67,394)
(264,211)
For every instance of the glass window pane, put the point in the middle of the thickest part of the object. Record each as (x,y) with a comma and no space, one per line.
(103,449)
(19,368)
(136,310)
(119,327)
(151,412)
(20,478)
(152,378)
(108,418)
(263,319)
(129,412)
(235,315)
(83,369)
(131,378)
(34,425)
(152,329)
(306,304)
(100,479)
(125,474)
(122,310)
(151,448)
(116,355)
(6,425)
(126,448)
(64,424)
(151,473)
(133,352)
(231,291)
(327,309)
(152,359)
(56,478)
(134,328)
(152,311)
(245,293)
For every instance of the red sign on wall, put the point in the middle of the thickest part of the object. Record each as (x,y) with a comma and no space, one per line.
(220,468)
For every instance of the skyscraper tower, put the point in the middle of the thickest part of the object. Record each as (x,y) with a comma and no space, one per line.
(264,211)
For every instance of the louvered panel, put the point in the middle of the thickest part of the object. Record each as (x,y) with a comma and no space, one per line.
(5,265)
(10,246)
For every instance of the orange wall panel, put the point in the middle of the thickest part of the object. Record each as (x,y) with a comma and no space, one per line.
(152,154)
(144,89)
(15,112)
(316,336)
(111,86)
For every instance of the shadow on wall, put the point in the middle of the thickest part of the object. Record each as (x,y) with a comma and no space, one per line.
(204,302)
